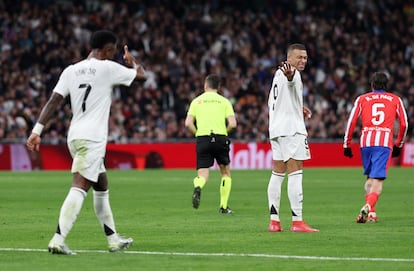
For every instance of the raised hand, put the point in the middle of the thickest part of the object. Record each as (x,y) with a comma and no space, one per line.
(131,61)
(288,70)
(128,57)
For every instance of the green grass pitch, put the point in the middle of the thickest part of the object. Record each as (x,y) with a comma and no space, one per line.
(154,207)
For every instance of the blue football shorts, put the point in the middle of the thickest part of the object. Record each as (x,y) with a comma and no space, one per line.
(375,161)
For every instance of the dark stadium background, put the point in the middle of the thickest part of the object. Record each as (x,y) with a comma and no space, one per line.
(179,42)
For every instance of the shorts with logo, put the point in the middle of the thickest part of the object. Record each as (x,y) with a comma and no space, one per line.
(287,147)
(212,147)
(88,158)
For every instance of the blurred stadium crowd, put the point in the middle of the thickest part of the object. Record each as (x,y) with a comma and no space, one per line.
(181,41)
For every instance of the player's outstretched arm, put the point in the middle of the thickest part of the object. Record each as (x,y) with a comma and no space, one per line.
(131,61)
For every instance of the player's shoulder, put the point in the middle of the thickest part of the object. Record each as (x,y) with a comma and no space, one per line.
(221,96)
(110,62)
(196,99)
(278,72)
(278,76)
(68,71)
(98,62)
(225,100)
(103,63)
(76,65)
(70,67)
(394,95)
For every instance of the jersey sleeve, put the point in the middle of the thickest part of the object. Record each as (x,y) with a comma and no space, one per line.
(352,121)
(120,74)
(229,109)
(62,86)
(403,124)
(191,109)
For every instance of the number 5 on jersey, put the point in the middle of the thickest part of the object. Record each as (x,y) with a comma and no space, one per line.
(378,116)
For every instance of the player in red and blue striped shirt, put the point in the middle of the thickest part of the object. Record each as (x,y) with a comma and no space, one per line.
(378,111)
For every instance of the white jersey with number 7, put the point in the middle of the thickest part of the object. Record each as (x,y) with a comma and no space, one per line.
(90,83)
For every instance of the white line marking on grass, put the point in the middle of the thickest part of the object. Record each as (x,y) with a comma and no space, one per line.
(320,258)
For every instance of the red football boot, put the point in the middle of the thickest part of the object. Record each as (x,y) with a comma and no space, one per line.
(301,226)
(274,226)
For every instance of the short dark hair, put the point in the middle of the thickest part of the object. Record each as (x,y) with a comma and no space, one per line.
(101,38)
(213,81)
(296,46)
(379,81)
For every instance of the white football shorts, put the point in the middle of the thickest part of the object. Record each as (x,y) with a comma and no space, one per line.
(88,158)
(287,147)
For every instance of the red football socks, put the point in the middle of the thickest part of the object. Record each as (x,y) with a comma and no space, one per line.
(372,199)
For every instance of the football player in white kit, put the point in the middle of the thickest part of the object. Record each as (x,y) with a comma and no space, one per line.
(89,84)
(288,138)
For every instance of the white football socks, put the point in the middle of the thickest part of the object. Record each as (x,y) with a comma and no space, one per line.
(69,212)
(103,211)
(273,194)
(295,194)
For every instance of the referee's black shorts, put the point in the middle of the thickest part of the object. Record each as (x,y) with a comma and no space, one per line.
(212,147)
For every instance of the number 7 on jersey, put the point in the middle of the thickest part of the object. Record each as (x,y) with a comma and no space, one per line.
(88,89)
